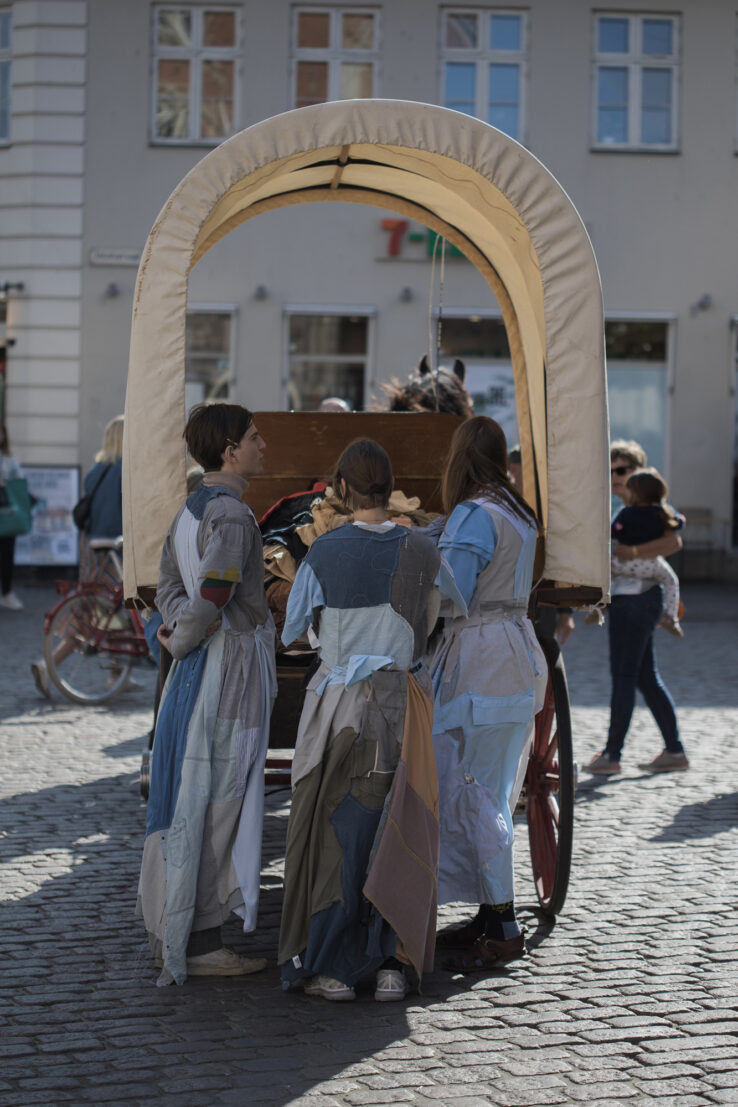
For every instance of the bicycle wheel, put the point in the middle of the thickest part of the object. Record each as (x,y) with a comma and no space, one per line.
(80,647)
(550,786)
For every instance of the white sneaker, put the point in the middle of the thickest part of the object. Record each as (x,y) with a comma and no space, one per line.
(224,962)
(11,602)
(328,988)
(41,678)
(391,985)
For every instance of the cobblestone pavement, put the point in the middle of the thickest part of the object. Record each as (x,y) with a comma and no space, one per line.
(630,998)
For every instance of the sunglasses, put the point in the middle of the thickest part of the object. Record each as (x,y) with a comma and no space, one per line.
(621,470)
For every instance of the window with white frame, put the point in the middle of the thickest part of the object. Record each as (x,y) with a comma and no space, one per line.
(328,355)
(5,52)
(636,81)
(195,54)
(484,66)
(335,54)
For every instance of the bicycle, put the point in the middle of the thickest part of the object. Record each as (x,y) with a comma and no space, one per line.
(91,640)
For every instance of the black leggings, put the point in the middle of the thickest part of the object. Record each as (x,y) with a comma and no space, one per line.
(7,553)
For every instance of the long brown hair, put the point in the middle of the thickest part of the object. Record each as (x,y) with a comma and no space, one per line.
(367,470)
(649,489)
(477,466)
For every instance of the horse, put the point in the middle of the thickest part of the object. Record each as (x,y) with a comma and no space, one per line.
(425,390)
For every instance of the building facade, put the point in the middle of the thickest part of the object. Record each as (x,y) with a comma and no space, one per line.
(105,106)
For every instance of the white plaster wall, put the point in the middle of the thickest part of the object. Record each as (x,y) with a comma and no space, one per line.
(662,224)
(41,197)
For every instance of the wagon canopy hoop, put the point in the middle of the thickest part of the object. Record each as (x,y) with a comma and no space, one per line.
(470,183)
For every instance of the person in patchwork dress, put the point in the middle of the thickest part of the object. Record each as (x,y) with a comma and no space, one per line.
(362,841)
(489,678)
(202,851)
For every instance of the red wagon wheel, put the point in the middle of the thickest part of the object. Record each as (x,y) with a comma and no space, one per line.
(550,789)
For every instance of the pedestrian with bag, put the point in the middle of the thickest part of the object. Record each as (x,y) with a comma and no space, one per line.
(15,518)
(98,514)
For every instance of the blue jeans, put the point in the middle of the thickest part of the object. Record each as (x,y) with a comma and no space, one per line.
(631,622)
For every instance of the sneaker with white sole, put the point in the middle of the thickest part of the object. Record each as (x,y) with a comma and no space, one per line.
(391,985)
(11,602)
(602,765)
(328,988)
(41,678)
(666,762)
(224,962)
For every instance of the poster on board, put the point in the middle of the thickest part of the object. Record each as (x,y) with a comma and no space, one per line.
(54,538)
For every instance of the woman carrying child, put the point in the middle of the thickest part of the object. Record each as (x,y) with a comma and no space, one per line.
(635,611)
(648,516)
(362,841)
(489,676)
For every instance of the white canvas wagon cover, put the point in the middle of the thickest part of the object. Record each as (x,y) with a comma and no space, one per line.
(483,192)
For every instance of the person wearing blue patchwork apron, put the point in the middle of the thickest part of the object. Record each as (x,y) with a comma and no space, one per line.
(202,851)
(489,677)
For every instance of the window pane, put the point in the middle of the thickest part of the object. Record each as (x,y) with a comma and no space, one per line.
(657,36)
(314,30)
(219,29)
(468,338)
(172,99)
(612,36)
(656,106)
(5,24)
(612,105)
(4,100)
(506,32)
(358,32)
(208,333)
(503,84)
(313,381)
(612,125)
(174,27)
(356,80)
(505,118)
(312,83)
(216,117)
(328,334)
(461,32)
(460,82)
(626,341)
(612,87)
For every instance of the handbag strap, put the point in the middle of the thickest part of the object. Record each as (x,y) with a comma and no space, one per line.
(98,482)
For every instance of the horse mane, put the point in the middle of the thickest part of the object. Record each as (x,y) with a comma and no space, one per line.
(420,390)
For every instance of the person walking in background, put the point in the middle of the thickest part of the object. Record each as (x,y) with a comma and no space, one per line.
(103,484)
(634,612)
(489,677)
(9,468)
(202,851)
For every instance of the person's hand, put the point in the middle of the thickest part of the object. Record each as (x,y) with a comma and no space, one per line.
(403,520)
(163,634)
(624,553)
(564,626)
(213,627)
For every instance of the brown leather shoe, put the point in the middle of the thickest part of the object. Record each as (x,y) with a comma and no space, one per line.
(486,953)
(460,937)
